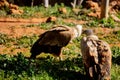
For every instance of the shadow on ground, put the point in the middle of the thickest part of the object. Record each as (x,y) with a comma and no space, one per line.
(69,69)
(116,60)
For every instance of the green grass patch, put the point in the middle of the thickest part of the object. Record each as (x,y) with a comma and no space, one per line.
(26,41)
(20,67)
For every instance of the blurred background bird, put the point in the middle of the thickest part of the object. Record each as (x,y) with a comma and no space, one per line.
(96,56)
(53,40)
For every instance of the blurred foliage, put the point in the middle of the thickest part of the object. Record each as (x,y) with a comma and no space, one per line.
(26,41)
(117,33)
(5,40)
(109,23)
(116,55)
(20,67)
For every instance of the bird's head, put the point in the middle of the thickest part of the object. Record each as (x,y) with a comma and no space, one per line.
(78,29)
(88,32)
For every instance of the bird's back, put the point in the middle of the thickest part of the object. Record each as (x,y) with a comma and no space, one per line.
(58,36)
(89,50)
(97,52)
(105,58)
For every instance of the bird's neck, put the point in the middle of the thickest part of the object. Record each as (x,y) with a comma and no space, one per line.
(93,37)
(76,33)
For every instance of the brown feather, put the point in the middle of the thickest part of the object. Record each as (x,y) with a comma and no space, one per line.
(96,57)
(58,36)
(54,39)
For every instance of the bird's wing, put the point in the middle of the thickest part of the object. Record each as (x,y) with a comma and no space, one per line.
(104,52)
(105,57)
(103,47)
(92,49)
(55,37)
(60,28)
(89,51)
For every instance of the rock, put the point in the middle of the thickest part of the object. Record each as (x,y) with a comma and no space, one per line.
(11,8)
(14,11)
(62,10)
(92,5)
(51,19)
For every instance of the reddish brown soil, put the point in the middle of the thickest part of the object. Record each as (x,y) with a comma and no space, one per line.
(15,28)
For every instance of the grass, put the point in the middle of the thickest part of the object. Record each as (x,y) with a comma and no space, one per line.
(116,64)
(26,41)
(115,72)
(46,67)
(21,67)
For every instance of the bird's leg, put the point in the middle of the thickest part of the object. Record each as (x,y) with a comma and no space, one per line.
(59,53)
(60,57)
(33,56)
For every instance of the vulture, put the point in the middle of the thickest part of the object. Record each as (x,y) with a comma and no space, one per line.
(53,40)
(96,56)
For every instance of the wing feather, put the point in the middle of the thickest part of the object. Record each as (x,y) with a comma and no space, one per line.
(96,57)
(105,58)
(58,36)
(60,28)
(89,51)
(104,52)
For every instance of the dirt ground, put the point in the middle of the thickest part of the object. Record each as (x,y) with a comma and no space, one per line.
(15,28)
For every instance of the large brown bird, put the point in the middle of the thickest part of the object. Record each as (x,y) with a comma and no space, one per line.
(53,40)
(96,56)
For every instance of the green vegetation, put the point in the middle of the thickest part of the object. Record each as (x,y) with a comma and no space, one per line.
(20,67)
(116,55)
(5,40)
(26,41)
(108,23)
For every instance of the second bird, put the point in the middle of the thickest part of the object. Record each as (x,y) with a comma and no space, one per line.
(53,40)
